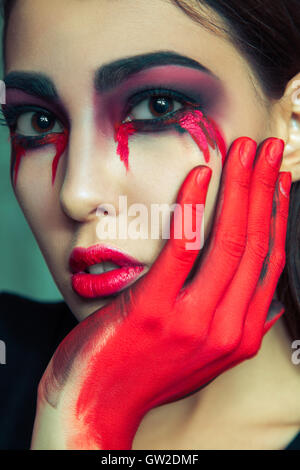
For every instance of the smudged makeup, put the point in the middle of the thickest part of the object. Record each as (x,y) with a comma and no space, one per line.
(204,132)
(195,93)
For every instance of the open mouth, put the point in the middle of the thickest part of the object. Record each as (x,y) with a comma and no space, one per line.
(101,271)
(100,268)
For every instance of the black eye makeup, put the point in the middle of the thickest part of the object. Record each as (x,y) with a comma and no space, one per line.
(150,109)
(30,120)
(160,103)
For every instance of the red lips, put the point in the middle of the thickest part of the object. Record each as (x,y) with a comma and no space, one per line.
(107,283)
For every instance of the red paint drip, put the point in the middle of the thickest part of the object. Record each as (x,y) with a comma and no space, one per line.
(220,140)
(20,147)
(19,152)
(60,143)
(122,133)
(204,132)
(200,130)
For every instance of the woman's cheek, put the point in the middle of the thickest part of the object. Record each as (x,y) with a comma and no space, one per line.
(23,148)
(160,162)
(189,138)
(33,188)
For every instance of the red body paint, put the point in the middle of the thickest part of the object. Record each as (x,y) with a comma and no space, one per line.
(60,143)
(204,132)
(147,347)
(20,147)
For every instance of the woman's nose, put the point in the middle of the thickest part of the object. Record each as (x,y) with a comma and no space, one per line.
(91,180)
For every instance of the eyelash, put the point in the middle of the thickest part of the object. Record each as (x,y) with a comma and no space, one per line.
(12,113)
(159,123)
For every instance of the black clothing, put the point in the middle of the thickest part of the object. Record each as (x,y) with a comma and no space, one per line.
(31,332)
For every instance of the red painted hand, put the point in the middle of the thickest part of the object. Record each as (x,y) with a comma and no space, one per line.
(165,336)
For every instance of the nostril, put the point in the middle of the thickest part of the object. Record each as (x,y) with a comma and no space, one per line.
(102,210)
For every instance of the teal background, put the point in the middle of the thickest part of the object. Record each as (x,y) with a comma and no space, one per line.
(22,267)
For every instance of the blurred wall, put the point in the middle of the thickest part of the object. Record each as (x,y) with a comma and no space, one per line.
(22,267)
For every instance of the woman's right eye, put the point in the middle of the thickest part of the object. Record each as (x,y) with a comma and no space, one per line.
(36,123)
(28,121)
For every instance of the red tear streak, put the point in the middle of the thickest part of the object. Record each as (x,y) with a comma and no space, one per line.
(58,139)
(204,132)
(60,143)
(122,133)
(220,140)
(19,153)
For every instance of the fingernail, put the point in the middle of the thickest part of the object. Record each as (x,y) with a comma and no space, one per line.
(274,152)
(285,183)
(247,153)
(204,174)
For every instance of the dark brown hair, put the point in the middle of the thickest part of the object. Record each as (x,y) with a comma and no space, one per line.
(267,33)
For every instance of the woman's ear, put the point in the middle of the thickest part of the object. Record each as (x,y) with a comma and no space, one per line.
(287,122)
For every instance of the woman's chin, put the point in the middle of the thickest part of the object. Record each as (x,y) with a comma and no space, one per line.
(83,308)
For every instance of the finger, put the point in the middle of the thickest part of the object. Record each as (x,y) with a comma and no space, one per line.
(228,240)
(264,311)
(168,273)
(230,316)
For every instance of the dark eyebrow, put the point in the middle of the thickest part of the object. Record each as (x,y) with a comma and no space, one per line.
(107,77)
(113,74)
(33,83)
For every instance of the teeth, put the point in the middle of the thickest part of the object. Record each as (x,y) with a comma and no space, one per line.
(102,267)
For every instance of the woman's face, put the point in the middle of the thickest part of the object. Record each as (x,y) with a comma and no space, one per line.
(68,43)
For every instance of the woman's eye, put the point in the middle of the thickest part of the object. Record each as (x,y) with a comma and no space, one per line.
(154,107)
(34,123)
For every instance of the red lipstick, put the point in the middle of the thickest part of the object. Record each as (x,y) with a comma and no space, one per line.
(108,282)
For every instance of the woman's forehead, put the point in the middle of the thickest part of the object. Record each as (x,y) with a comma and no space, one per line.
(56,32)
(69,41)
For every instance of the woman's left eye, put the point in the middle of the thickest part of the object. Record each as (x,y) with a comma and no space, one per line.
(35,123)
(155,105)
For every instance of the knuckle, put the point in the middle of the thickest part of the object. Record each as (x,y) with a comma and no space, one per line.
(283,214)
(241,183)
(232,244)
(251,349)
(184,326)
(278,259)
(258,244)
(267,184)
(228,343)
(181,254)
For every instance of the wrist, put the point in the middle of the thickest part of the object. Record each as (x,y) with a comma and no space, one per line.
(73,424)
